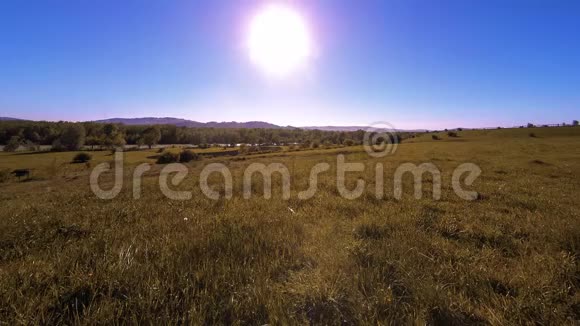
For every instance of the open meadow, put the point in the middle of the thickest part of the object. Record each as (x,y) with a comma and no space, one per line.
(510,256)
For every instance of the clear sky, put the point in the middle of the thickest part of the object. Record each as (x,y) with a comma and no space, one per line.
(416,64)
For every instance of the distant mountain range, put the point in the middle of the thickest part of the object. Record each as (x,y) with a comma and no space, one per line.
(213,124)
(10,119)
(189,123)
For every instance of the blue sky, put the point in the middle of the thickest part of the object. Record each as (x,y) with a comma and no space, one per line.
(415,64)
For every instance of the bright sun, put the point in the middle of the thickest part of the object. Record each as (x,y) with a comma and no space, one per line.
(278,40)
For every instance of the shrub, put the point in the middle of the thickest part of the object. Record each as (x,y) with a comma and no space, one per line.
(435,137)
(306,144)
(532,135)
(82,157)
(161,150)
(452,134)
(4,175)
(349,142)
(187,156)
(30,146)
(315,144)
(167,158)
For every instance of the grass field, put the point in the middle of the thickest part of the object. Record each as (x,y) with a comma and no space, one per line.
(512,256)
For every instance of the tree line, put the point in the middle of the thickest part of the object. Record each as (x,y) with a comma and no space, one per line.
(74,136)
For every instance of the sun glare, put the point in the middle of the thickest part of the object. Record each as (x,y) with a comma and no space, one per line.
(279,41)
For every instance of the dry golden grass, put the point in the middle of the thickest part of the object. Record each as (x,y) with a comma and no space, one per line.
(510,257)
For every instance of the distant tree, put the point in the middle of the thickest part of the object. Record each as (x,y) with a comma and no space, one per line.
(575,122)
(110,129)
(108,142)
(349,142)
(531,125)
(100,141)
(140,142)
(34,137)
(459,129)
(92,141)
(151,136)
(12,144)
(452,134)
(435,137)
(73,137)
(57,146)
(119,140)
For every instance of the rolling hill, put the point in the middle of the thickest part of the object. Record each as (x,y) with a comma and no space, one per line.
(189,123)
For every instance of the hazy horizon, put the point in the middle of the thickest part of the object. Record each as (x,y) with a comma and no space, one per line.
(517,125)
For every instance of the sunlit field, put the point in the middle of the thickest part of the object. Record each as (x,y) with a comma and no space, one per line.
(510,256)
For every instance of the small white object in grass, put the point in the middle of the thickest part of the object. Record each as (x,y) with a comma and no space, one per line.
(185,218)
(291,210)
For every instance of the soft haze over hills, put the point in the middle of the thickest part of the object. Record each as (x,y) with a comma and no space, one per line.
(213,124)
(189,123)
